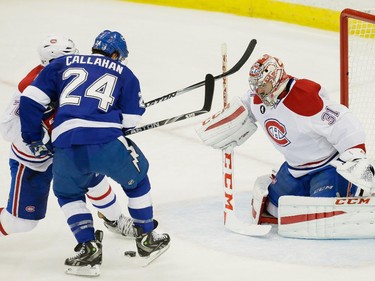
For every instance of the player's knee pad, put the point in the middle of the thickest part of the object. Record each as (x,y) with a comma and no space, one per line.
(12,224)
(140,197)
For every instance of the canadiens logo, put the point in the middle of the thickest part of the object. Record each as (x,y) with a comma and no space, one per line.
(30,209)
(277,132)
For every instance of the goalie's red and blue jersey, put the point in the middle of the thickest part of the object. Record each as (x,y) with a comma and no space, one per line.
(97,97)
(306,126)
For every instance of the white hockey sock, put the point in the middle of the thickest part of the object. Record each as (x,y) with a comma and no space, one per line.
(104,199)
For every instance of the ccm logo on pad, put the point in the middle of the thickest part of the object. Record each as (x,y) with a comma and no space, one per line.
(352,201)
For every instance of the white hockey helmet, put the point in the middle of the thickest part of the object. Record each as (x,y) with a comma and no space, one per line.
(268,79)
(54,46)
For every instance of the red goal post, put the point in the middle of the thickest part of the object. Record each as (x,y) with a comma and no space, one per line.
(357,69)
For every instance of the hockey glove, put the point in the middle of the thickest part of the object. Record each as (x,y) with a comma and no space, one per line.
(231,126)
(354,166)
(40,150)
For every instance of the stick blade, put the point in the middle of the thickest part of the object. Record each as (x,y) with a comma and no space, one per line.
(235,225)
(209,92)
(249,229)
(246,55)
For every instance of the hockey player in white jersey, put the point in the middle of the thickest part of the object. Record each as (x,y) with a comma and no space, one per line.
(31,176)
(323,143)
(99,98)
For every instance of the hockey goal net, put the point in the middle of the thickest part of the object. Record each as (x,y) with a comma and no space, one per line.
(357,58)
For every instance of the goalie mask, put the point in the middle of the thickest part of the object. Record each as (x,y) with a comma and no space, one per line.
(267,78)
(53,47)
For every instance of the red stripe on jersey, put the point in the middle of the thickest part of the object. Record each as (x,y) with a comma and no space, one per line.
(231,117)
(309,217)
(101,197)
(29,78)
(2,230)
(304,98)
(17,189)
(32,156)
(257,100)
(361,146)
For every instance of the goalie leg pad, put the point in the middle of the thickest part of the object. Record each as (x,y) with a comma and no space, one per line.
(232,125)
(326,218)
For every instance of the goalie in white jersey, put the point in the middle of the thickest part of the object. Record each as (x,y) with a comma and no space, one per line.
(322,141)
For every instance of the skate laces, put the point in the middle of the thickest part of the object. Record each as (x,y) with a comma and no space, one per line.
(80,249)
(158,236)
(125,225)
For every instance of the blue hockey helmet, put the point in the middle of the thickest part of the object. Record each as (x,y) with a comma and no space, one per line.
(111,41)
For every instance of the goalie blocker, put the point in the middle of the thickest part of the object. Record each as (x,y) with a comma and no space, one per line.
(230,126)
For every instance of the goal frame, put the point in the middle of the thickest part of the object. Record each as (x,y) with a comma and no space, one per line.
(345,15)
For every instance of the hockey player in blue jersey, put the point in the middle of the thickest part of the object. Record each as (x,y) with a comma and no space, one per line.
(98,98)
(31,176)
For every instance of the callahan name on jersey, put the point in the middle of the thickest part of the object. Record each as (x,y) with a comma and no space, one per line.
(101,61)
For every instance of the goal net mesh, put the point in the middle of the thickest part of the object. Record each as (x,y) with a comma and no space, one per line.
(361,73)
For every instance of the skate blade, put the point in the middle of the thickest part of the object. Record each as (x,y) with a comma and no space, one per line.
(145,261)
(83,270)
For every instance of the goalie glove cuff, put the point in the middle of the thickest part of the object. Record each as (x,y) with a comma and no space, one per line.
(354,166)
(352,154)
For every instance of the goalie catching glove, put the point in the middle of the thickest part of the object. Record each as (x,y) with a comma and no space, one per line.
(354,166)
(230,126)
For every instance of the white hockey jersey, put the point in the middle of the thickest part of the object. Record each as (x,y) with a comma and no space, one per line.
(10,128)
(308,128)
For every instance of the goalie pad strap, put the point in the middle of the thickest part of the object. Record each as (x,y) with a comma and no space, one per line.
(326,218)
(258,201)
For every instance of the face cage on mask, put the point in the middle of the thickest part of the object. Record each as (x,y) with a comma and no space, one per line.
(269,98)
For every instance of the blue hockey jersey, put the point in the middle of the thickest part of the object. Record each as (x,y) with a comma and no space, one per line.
(97,97)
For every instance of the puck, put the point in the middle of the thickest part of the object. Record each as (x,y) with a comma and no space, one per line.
(131,254)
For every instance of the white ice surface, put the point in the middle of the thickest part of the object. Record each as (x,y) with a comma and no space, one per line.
(169,50)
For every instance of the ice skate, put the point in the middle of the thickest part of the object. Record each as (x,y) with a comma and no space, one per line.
(88,259)
(124,225)
(151,245)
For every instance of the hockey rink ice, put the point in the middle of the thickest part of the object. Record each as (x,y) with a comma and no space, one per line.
(171,49)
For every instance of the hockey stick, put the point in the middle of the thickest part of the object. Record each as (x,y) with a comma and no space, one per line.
(208,97)
(231,222)
(234,69)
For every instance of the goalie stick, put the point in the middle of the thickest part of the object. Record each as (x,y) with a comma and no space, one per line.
(234,69)
(231,222)
(208,97)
